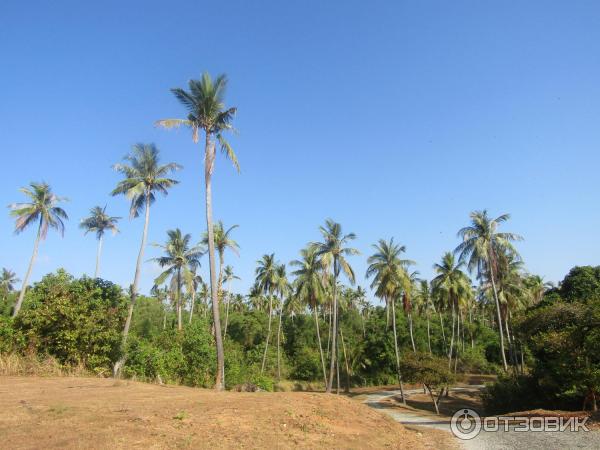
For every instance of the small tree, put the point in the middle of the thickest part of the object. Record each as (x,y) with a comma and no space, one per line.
(430,371)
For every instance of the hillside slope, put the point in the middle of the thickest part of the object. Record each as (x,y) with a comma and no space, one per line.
(102,413)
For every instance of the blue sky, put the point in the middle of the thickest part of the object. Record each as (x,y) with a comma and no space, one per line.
(393,118)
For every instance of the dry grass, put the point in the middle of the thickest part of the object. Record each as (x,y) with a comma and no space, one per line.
(96,413)
(13,364)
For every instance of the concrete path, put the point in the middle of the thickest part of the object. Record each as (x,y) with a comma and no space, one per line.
(485,440)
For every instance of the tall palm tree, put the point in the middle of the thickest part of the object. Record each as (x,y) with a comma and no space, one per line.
(223,241)
(204,102)
(256,298)
(228,277)
(266,279)
(192,283)
(407,285)
(161,295)
(99,222)
(8,279)
(309,289)
(451,282)
(333,253)
(425,305)
(282,287)
(389,272)
(181,261)
(480,248)
(43,210)
(144,177)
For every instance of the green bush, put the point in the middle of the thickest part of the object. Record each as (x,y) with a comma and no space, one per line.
(11,339)
(511,394)
(307,365)
(473,360)
(76,321)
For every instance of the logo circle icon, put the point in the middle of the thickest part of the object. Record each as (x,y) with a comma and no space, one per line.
(465,424)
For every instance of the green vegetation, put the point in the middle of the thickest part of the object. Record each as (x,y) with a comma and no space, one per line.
(561,335)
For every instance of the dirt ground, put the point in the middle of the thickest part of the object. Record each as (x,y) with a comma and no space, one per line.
(73,413)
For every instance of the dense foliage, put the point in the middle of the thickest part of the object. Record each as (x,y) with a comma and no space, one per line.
(79,322)
(562,334)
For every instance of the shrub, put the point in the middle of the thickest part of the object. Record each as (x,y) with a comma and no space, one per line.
(75,321)
(307,365)
(11,339)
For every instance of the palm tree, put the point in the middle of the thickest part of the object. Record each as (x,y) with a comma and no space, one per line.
(266,279)
(389,271)
(228,277)
(99,222)
(222,242)
(480,248)
(192,283)
(407,284)
(333,252)
(144,177)
(309,289)
(256,298)
(204,296)
(181,262)
(282,287)
(451,282)
(361,304)
(206,109)
(161,295)
(424,303)
(536,287)
(8,279)
(42,209)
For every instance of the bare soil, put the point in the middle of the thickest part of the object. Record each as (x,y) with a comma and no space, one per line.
(95,413)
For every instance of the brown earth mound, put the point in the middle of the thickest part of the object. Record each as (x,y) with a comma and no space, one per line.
(98,413)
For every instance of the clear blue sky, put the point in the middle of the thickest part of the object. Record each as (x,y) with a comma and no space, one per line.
(394,118)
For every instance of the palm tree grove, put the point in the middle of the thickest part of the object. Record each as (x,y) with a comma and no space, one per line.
(350,260)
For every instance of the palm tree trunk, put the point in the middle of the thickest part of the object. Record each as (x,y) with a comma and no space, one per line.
(320,346)
(334,329)
(179,302)
(279,343)
(410,329)
(98,252)
(262,368)
(337,364)
(397,354)
(498,316)
(28,274)
(227,312)
(134,287)
(457,340)
(329,330)
(208,168)
(471,328)
(428,334)
(452,339)
(220,280)
(387,315)
(193,305)
(347,387)
(442,327)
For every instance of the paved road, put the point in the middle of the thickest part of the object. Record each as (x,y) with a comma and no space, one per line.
(485,440)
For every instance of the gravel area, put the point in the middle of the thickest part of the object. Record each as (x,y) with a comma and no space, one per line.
(499,440)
